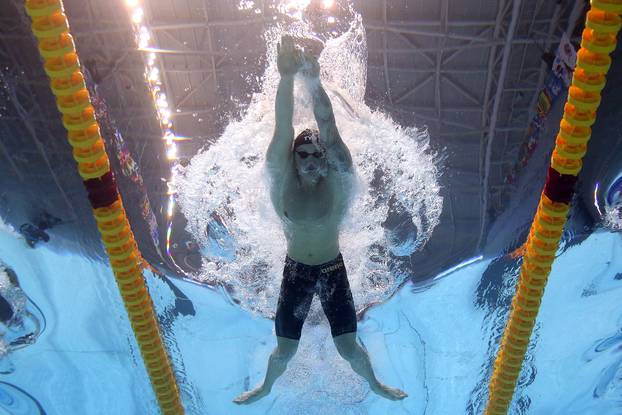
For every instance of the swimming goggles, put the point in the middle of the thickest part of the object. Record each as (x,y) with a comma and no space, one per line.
(304,154)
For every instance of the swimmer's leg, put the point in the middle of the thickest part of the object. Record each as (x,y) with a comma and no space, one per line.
(338,304)
(292,309)
(277,363)
(350,350)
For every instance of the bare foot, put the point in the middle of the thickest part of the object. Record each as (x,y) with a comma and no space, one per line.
(387,392)
(251,396)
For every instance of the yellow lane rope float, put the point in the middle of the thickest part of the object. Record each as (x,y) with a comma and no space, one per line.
(598,40)
(61,63)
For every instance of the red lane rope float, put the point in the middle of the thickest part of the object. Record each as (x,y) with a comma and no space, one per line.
(62,65)
(598,41)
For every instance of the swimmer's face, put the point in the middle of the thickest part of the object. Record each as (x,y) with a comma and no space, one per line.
(310,161)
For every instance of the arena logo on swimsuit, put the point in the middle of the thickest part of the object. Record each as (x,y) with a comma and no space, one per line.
(331,268)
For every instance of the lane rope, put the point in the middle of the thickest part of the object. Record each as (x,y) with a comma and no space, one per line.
(61,63)
(603,22)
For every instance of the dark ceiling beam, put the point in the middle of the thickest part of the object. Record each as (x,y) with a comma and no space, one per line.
(420,32)
(507,48)
(441,121)
(413,89)
(491,78)
(463,91)
(183,48)
(194,89)
(449,23)
(81,27)
(208,39)
(439,57)
(480,131)
(551,31)
(462,108)
(530,33)
(181,70)
(415,47)
(226,23)
(464,70)
(466,46)
(213,64)
(385,68)
(113,25)
(239,53)
(175,69)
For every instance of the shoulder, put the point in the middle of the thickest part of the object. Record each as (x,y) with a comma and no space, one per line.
(278,166)
(339,158)
(279,174)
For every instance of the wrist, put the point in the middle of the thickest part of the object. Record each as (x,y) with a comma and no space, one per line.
(287,81)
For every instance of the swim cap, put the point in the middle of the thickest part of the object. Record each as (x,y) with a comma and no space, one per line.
(307,136)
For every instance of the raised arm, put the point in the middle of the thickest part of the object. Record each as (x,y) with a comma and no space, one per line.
(338,152)
(288,63)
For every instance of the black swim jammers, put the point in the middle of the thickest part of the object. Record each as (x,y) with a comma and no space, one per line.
(300,282)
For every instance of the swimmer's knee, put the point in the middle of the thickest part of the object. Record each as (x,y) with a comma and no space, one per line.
(286,349)
(346,345)
(348,352)
(283,356)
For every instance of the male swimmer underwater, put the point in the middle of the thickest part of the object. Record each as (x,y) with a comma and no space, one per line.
(310,188)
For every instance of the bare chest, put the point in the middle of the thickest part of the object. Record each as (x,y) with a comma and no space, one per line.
(308,207)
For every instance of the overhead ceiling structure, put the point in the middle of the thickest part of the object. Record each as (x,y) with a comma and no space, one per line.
(469,71)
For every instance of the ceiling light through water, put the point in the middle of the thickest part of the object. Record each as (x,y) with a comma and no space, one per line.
(171,206)
(144,38)
(171,152)
(294,8)
(246,5)
(138,15)
(297,4)
(154,74)
(144,41)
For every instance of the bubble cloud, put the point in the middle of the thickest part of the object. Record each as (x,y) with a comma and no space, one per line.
(223,192)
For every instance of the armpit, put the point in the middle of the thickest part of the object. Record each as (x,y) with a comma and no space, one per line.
(340,160)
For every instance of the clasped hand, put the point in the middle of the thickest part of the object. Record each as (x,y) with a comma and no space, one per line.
(291,58)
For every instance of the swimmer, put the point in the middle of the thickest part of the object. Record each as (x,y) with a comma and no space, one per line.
(33,234)
(310,188)
(36,233)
